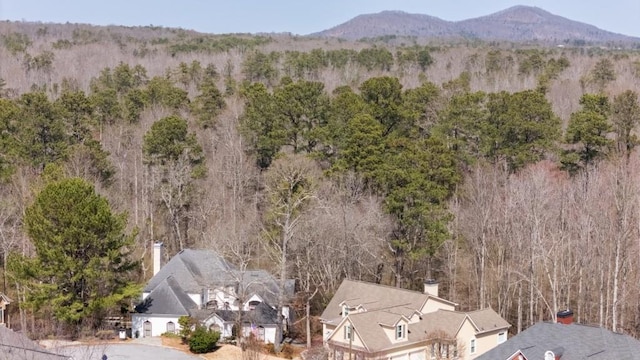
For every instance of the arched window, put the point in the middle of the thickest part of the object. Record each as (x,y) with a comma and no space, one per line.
(171,327)
(227,306)
(253,304)
(260,333)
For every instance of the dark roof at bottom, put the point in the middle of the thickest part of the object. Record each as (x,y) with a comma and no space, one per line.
(574,341)
(16,346)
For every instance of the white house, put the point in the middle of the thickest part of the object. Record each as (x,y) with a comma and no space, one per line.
(203,285)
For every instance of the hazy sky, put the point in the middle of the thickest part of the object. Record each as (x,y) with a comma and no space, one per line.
(300,16)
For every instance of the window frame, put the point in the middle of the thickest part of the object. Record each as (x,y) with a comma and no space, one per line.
(348,332)
(401,331)
(171,327)
(502,337)
(472,346)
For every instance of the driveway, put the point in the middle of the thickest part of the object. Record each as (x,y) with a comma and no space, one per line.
(115,351)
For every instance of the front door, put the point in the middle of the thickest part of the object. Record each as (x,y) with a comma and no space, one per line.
(147,328)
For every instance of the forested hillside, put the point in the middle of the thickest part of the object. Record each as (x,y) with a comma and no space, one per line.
(510,174)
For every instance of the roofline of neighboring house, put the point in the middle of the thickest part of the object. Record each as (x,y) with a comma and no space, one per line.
(223,320)
(383,350)
(159,315)
(478,332)
(494,329)
(39,351)
(402,289)
(512,356)
(439,298)
(328,321)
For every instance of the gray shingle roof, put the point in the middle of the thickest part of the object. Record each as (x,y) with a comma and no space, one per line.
(576,341)
(195,269)
(263,314)
(264,285)
(168,298)
(16,346)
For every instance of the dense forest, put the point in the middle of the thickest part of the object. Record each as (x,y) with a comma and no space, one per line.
(508,173)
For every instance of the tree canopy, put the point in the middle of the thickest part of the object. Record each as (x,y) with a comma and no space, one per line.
(81,269)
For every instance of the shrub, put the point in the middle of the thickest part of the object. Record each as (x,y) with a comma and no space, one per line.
(203,340)
(171,335)
(287,351)
(186,323)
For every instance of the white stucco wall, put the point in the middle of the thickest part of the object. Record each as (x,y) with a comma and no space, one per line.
(269,333)
(224,295)
(197,298)
(158,324)
(487,341)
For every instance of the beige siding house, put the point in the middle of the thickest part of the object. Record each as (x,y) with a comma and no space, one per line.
(370,321)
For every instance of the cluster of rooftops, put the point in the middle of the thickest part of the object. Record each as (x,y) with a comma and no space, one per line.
(362,320)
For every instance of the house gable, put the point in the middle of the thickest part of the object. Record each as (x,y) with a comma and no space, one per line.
(341,335)
(518,355)
(168,298)
(397,332)
(433,303)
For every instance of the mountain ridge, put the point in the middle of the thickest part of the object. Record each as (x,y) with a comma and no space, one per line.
(519,23)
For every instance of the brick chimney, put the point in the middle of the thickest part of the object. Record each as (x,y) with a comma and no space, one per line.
(565,317)
(157,257)
(431,287)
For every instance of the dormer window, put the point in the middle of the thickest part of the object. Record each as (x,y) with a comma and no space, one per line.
(212,304)
(253,304)
(345,310)
(401,331)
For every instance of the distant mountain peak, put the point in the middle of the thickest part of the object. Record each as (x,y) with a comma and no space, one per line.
(519,23)
(522,13)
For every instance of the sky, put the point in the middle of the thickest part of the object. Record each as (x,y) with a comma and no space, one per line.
(300,16)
